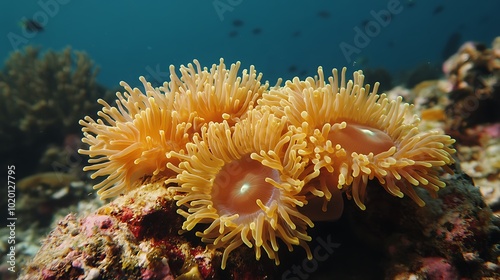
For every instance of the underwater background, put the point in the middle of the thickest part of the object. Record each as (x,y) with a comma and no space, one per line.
(281,38)
(60,56)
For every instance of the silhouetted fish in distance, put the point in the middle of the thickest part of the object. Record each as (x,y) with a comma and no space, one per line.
(237,22)
(438,10)
(233,34)
(324,14)
(31,26)
(257,30)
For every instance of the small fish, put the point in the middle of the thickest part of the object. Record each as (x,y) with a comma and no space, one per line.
(237,22)
(296,34)
(31,26)
(256,31)
(438,10)
(233,34)
(292,68)
(324,14)
(361,61)
(410,3)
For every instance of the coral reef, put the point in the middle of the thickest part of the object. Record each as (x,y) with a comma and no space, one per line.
(43,199)
(474,73)
(481,161)
(43,194)
(429,98)
(473,94)
(455,236)
(134,237)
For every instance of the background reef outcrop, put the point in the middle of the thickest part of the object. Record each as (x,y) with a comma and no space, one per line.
(474,74)
(42,97)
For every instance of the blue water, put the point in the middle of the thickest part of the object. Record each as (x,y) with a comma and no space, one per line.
(131,38)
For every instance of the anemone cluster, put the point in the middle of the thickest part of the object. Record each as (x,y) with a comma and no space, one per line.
(253,164)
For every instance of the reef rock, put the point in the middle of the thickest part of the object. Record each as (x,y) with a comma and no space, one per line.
(455,236)
(133,237)
(474,72)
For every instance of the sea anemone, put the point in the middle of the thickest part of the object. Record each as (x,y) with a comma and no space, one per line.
(355,136)
(142,128)
(130,140)
(243,182)
(202,96)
